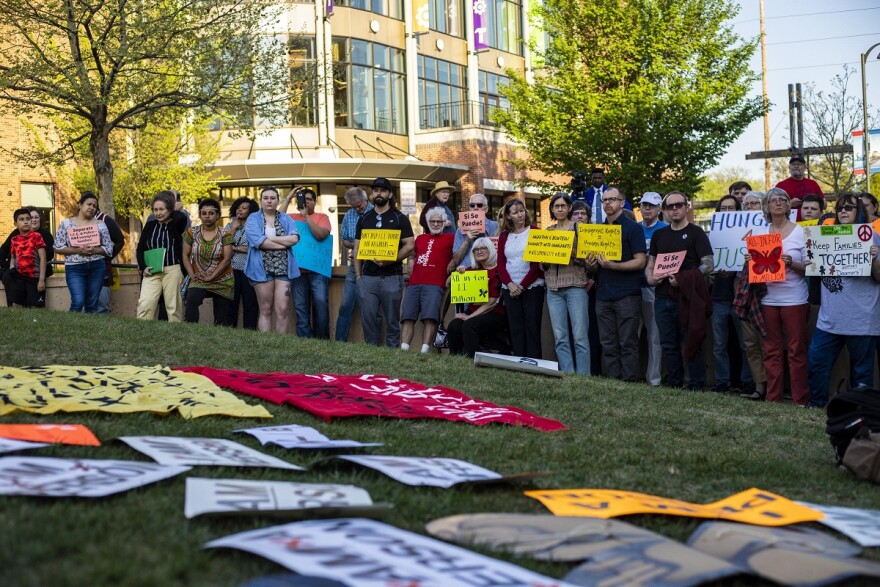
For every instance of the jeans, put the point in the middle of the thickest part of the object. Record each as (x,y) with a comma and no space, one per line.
(310,297)
(103,301)
(346,307)
(380,293)
(194,298)
(652,334)
(619,333)
(824,348)
(243,294)
(570,304)
(722,313)
(524,314)
(671,339)
(84,280)
(786,325)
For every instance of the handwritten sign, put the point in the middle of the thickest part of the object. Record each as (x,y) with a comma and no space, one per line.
(668,263)
(379,244)
(12,445)
(173,450)
(430,471)
(472,220)
(766,252)
(753,506)
(470,287)
(311,253)
(839,250)
(84,236)
(728,232)
(549,246)
(600,239)
(300,437)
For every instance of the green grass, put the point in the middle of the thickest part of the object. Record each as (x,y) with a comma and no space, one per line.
(693,446)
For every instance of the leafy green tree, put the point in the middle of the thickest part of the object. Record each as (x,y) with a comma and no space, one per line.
(654,91)
(82,71)
(714,185)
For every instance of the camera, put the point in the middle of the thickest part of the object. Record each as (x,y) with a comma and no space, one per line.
(579,183)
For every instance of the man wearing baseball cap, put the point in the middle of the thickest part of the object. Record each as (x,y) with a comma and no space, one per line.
(797,186)
(649,206)
(380,282)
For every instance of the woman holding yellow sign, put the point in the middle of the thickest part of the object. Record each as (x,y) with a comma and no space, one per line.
(468,328)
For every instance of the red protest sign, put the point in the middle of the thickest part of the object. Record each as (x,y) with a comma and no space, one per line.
(766,264)
(668,263)
(472,220)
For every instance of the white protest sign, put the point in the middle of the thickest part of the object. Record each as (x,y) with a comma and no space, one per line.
(50,477)
(372,554)
(302,437)
(862,526)
(174,450)
(839,250)
(728,232)
(408,197)
(10,445)
(434,472)
(207,496)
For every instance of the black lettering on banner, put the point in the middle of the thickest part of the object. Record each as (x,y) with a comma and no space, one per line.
(224,450)
(759,500)
(30,470)
(168,447)
(250,497)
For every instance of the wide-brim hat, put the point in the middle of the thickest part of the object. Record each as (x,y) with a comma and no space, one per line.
(382,182)
(442,185)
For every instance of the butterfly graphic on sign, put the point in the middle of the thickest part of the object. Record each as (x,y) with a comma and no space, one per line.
(766,258)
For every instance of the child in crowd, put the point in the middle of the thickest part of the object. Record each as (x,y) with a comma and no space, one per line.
(27,263)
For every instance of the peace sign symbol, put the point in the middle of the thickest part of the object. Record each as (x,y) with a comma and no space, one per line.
(865,233)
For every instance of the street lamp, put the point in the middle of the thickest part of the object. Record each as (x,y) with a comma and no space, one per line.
(865,137)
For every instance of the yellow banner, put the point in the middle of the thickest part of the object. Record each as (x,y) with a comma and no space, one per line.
(470,287)
(119,389)
(378,244)
(601,239)
(753,506)
(549,246)
(421,18)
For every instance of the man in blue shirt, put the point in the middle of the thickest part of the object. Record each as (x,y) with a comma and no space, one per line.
(597,178)
(360,205)
(619,296)
(649,206)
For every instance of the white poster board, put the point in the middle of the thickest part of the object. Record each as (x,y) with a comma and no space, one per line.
(839,250)
(11,445)
(300,437)
(408,197)
(863,526)
(174,450)
(728,232)
(430,471)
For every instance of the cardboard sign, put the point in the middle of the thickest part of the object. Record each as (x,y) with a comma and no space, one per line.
(425,471)
(549,246)
(311,253)
(215,496)
(839,250)
(766,265)
(862,526)
(470,287)
(57,433)
(524,364)
(10,445)
(174,450)
(300,437)
(728,232)
(84,236)
(668,263)
(372,554)
(753,506)
(379,244)
(49,477)
(472,220)
(600,239)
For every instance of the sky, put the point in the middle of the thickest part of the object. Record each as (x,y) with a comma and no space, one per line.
(807,42)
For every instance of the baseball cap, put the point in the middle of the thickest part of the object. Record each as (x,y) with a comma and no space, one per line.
(652,198)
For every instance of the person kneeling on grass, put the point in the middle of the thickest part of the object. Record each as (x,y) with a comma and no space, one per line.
(207,258)
(478,321)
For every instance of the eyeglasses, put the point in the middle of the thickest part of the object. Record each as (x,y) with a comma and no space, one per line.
(778,201)
(674,206)
(847,207)
(610,200)
(438,221)
(480,249)
(647,205)
(560,206)
(476,205)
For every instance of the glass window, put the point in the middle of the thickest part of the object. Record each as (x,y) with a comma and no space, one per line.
(304,86)
(504,23)
(446,17)
(490,99)
(442,94)
(392,8)
(360,52)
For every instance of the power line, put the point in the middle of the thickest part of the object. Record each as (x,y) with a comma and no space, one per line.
(823,39)
(807,14)
(813,66)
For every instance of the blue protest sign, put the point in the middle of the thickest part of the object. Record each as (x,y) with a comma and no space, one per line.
(311,253)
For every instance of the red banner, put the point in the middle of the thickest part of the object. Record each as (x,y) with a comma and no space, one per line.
(328,396)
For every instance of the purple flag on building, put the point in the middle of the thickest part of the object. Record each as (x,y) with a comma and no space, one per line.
(328,7)
(481,32)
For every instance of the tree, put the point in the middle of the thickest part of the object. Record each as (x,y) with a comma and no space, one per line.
(716,184)
(654,91)
(89,69)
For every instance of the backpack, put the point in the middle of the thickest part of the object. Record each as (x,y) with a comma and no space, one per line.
(851,413)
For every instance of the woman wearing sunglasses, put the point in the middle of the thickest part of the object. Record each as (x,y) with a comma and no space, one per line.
(849,314)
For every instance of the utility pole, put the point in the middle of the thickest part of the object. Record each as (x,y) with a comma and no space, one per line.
(766,102)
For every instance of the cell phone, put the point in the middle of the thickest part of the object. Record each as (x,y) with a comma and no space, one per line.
(300,200)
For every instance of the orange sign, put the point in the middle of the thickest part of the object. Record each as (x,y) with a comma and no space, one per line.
(55,433)
(766,264)
(472,220)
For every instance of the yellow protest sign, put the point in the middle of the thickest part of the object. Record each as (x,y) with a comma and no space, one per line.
(753,506)
(378,244)
(470,287)
(813,222)
(549,246)
(601,239)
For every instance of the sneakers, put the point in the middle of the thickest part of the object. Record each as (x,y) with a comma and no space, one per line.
(721,388)
(756,396)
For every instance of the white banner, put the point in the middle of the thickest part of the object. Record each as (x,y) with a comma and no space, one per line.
(300,437)
(372,554)
(50,477)
(207,496)
(408,197)
(10,445)
(174,450)
(839,250)
(863,526)
(728,232)
(433,472)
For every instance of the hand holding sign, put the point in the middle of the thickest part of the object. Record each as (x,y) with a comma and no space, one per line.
(470,287)
(668,264)
(765,251)
(378,244)
(84,236)
(472,220)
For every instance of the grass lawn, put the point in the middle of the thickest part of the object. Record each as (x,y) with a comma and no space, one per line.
(693,446)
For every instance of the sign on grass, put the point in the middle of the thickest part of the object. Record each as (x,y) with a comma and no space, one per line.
(549,246)
(430,471)
(372,554)
(863,526)
(301,437)
(229,496)
(378,244)
(174,450)
(470,287)
(839,250)
(56,433)
(50,477)
(12,445)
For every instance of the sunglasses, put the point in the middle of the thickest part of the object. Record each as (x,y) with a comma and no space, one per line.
(473,205)
(378,221)
(847,207)
(269,188)
(674,206)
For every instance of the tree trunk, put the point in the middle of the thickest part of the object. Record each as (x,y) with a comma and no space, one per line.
(100,146)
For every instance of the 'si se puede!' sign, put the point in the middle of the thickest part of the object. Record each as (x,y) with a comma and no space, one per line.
(549,246)
(839,250)
(600,239)
(378,244)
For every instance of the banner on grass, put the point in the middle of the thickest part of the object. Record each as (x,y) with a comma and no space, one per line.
(470,287)
(766,265)
(54,433)
(300,437)
(327,396)
(863,526)
(12,445)
(174,450)
(839,250)
(430,471)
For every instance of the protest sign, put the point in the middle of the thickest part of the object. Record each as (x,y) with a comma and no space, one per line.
(470,287)
(668,263)
(227,496)
(420,471)
(472,220)
(524,364)
(56,433)
(549,246)
(753,506)
(600,239)
(12,445)
(372,554)
(812,222)
(300,437)
(50,477)
(766,265)
(862,526)
(379,244)
(84,236)
(311,253)
(728,232)
(175,450)
(155,259)
(839,250)
(407,197)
